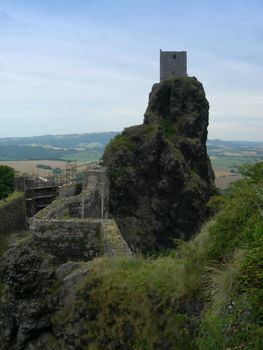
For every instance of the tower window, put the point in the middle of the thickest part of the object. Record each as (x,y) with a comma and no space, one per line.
(174,57)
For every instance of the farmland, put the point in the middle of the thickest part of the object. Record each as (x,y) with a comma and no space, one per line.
(30,166)
(227,156)
(44,154)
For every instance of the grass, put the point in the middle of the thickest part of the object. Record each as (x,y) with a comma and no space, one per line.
(228,163)
(136,291)
(149,128)
(204,295)
(15,195)
(167,127)
(138,301)
(121,141)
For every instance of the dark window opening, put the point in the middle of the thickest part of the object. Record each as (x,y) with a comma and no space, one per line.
(174,57)
(173,72)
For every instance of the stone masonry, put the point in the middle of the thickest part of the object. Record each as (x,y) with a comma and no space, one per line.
(172,64)
(76,227)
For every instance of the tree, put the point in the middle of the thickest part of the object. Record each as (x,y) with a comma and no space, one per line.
(7,176)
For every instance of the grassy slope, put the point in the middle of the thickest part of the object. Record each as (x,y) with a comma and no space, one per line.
(205,295)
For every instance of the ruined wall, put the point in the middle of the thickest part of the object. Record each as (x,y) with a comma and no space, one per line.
(91,202)
(100,173)
(69,240)
(75,227)
(112,239)
(70,190)
(80,239)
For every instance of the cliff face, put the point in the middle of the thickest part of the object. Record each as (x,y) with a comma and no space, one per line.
(160,175)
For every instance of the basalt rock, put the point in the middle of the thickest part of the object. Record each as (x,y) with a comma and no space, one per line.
(34,287)
(160,174)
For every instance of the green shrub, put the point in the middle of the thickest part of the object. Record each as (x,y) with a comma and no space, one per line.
(167,127)
(136,302)
(7,176)
(239,218)
(120,141)
(13,213)
(233,318)
(205,295)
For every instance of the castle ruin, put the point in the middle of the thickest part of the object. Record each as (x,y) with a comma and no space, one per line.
(172,64)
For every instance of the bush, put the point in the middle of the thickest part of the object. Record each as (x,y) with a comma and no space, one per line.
(13,213)
(205,295)
(7,176)
(233,318)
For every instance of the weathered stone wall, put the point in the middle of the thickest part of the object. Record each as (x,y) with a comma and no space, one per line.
(70,190)
(103,188)
(91,202)
(69,240)
(172,64)
(13,213)
(75,227)
(112,239)
(80,239)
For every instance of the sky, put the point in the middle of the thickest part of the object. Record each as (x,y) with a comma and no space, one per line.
(80,66)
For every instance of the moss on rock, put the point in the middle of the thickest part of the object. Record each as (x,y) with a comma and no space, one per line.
(160,175)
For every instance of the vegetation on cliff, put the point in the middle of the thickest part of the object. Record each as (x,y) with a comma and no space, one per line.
(160,175)
(13,213)
(206,294)
(7,176)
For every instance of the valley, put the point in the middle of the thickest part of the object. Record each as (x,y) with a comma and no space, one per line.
(40,155)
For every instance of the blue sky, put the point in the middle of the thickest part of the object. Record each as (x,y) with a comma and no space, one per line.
(83,66)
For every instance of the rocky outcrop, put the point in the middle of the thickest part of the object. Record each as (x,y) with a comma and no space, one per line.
(27,273)
(30,277)
(160,174)
(42,288)
(107,303)
(52,297)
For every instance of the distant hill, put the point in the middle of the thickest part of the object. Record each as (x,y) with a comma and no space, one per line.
(225,155)
(68,140)
(238,144)
(81,147)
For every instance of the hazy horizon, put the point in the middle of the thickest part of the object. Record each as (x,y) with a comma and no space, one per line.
(119,131)
(87,65)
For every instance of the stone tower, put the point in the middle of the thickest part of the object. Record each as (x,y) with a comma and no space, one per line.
(172,64)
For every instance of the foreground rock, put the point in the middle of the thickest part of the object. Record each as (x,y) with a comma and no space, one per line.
(160,174)
(99,304)
(34,287)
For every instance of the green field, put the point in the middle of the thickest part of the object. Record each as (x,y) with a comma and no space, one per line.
(230,155)
(226,156)
(230,163)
